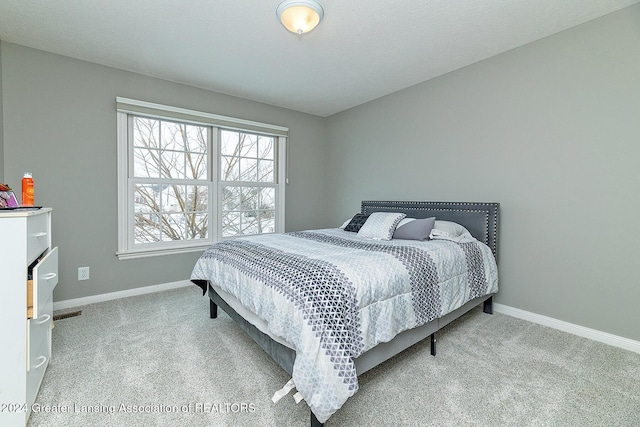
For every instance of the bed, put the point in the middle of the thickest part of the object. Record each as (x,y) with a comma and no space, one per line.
(309,301)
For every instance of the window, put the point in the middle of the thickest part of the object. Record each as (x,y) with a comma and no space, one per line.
(187,179)
(247,173)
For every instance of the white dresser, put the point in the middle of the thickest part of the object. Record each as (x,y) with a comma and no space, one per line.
(25,240)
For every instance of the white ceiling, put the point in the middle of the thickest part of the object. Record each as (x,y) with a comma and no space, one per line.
(362,50)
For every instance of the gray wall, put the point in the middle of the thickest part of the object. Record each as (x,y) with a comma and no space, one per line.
(60,124)
(551,131)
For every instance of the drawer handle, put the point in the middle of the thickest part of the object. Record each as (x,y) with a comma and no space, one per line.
(42,360)
(49,276)
(45,319)
(40,234)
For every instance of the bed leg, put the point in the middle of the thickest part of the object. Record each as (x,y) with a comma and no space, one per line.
(488,306)
(314,420)
(433,344)
(213,310)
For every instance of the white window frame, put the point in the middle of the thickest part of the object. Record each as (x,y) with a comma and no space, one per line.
(126,109)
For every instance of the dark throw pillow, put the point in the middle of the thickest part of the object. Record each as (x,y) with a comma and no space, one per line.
(356,223)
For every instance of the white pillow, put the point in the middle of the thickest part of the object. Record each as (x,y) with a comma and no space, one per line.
(448,230)
(381,225)
(345,223)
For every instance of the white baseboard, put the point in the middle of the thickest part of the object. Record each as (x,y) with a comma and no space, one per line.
(593,334)
(77,302)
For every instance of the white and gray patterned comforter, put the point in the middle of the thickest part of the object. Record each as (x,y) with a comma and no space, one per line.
(333,295)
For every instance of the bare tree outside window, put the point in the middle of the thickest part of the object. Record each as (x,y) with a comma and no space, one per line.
(171,190)
(171,182)
(247,172)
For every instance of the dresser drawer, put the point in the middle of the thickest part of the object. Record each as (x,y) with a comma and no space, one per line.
(34,379)
(45,279)
(38,350)
(37,236)
(39,337)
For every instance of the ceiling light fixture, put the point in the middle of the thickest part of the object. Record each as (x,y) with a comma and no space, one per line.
(300,16)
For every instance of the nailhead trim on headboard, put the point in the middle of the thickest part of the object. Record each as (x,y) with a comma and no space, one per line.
(488,210)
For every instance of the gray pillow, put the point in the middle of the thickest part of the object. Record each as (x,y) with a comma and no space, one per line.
(415,230)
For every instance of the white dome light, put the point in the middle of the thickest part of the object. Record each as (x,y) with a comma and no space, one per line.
(299,16)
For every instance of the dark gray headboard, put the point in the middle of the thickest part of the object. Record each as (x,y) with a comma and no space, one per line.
(481,219)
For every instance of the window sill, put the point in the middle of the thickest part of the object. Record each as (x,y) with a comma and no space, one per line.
(146,253)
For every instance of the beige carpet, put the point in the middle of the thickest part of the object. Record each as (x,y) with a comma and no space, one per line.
(159,360)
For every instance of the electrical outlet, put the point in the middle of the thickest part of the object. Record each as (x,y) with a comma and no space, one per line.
(83,273)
